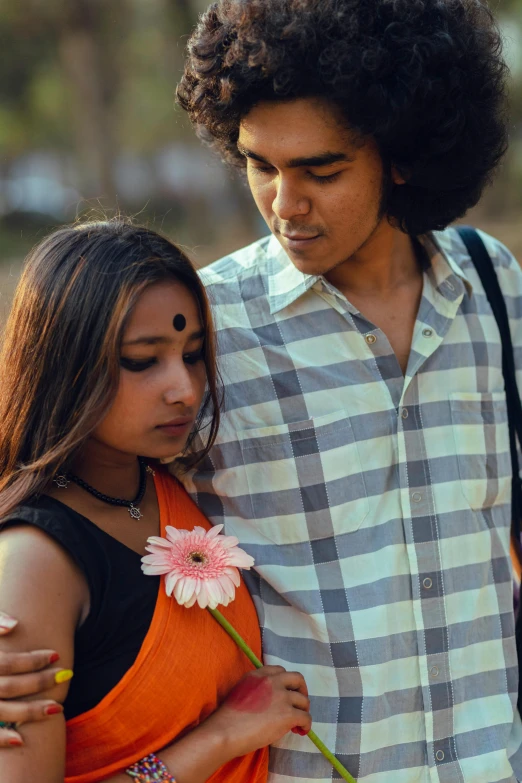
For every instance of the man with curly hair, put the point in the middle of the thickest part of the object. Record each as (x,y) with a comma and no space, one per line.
(363,457)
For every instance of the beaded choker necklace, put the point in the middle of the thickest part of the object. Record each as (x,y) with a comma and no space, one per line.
(63,480)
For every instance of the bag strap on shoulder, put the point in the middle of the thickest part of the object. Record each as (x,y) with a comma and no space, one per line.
(488,276)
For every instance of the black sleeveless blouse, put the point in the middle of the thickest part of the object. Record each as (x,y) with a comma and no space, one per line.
(122,599)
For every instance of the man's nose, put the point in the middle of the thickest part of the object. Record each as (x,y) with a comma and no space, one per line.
(289,201)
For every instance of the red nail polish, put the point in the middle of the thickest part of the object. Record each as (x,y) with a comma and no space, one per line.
(300,731)
(53,709)
(15,742)
(54,657)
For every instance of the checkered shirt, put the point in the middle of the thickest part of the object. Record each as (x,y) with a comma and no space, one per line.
(377,508)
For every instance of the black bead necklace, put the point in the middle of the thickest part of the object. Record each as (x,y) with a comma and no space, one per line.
(64,479)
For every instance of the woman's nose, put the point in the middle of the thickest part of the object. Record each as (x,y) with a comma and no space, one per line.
(182,388)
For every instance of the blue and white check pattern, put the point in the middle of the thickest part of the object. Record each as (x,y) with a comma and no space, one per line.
(377,508)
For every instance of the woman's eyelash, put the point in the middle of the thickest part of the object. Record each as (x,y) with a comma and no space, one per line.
(193,358)
(136,366)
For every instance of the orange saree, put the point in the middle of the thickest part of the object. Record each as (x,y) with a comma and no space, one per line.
(186,666)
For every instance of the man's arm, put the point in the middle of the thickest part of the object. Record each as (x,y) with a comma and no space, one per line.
(24,674)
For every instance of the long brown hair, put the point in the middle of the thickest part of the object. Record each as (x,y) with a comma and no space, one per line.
(59,361)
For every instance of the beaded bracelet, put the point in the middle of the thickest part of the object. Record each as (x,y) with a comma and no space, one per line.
(150,770)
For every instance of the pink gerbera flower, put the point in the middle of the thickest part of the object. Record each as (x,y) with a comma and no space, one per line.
(200,565)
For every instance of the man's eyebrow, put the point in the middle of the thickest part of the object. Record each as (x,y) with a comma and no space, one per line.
(151,340)
(321,159)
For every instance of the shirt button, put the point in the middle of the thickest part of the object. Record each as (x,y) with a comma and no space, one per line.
(428,333)
(439,755)
(405,413)
(371,339)
(428,583)
(434,671)
(416,497)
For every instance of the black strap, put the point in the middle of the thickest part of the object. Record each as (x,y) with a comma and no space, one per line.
(486,271)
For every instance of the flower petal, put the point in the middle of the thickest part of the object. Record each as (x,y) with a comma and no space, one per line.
(240,559)
(228,541)
(157,557)
(188,591)
(170,582)
(154,570)
(157,541)
(215,592)
(173,534)
(178,590)
(228,587)
(215,531)
(233,574)
(203,596)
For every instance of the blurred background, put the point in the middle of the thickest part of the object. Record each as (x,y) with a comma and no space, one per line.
(88,125)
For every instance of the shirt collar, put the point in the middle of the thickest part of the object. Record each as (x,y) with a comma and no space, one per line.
(446,255)
(286,283)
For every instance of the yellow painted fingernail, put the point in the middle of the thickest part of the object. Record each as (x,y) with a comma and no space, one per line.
(64,676)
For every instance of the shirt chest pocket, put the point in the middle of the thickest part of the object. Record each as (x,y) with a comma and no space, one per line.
(305,479)
(481,434)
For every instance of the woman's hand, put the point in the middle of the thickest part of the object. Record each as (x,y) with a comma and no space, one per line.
(261,709)
(24,674)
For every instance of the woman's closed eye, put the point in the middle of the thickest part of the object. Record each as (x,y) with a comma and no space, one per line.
(136,365)
(195,356)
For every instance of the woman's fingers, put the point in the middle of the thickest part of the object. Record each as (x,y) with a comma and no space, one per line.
(7,623)
(303,722)
(294,682)
(300,702)
(10,739)
(24,662)
(12,687)
(270,671)
(28,711)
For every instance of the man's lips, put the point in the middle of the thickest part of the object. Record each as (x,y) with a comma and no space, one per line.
(300,237)
(299,242)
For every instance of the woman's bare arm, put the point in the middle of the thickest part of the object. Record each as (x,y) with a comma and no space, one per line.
(48,595)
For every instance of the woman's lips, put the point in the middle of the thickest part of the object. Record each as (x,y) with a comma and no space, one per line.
(176,427)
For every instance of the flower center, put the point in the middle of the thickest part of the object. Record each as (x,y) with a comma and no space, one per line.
(198,558)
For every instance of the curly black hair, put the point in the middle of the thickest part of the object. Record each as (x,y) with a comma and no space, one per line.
(424,78)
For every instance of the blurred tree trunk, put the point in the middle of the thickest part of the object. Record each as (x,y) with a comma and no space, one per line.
(91,68)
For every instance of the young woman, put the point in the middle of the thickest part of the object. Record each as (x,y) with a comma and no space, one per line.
(108,367)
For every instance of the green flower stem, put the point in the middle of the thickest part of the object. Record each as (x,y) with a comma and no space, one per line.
(319,744)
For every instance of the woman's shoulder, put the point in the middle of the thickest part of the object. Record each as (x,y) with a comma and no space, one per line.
(35,561)
(79,539)
(55,518)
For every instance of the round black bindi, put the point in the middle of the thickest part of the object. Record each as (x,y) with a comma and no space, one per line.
(179,322)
